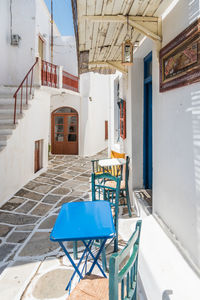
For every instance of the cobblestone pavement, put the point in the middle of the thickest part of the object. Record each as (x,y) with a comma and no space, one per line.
(31,266)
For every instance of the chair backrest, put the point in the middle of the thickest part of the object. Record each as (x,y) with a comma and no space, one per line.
(126,276)
(102,192)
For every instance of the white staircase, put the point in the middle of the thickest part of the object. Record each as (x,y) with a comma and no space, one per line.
(7,113)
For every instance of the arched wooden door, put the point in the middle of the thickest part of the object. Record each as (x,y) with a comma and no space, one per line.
(64,131)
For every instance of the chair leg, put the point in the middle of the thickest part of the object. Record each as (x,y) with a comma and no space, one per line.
(75,250)
(103,257)
(128,201)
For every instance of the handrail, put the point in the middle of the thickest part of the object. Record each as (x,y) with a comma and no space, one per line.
(21,87)
(49,74)
(70,81)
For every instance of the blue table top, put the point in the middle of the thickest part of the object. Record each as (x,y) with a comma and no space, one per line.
(83,221)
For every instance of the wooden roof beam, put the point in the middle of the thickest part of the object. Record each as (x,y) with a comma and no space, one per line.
(112,18)
(133,21)
(111,63)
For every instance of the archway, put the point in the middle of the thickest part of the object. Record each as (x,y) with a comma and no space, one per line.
(64,131)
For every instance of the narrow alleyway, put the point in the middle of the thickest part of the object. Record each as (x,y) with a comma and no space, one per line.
(26,221)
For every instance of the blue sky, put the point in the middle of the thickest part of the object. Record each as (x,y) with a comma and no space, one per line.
(62,15)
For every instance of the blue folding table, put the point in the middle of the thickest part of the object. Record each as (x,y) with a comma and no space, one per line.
(86,221)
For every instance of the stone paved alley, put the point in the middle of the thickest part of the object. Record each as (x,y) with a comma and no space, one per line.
(33,267)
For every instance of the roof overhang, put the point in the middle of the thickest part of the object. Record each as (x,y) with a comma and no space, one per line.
(101,26)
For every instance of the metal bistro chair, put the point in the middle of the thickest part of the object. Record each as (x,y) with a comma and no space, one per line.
(116,171)
(122,282)
(102,192)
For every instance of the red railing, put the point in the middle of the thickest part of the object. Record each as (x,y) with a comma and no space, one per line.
(28,81)
(49,74)
(70,82)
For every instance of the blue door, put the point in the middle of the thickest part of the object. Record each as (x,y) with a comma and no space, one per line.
(147,167)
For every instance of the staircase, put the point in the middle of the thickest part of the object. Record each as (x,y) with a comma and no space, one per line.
(7,111)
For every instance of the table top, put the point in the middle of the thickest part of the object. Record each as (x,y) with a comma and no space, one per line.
(83,221)
(112,162)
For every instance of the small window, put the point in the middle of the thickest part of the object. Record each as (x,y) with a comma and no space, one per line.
(38,155)
(64,110)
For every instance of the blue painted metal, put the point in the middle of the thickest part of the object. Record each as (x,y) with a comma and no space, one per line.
(86,221)
(147,136)
(83,221)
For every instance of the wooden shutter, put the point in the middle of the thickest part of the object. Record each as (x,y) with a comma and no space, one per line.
(123,119)
(106,130)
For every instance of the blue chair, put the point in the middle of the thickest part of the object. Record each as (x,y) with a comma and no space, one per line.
(122,282)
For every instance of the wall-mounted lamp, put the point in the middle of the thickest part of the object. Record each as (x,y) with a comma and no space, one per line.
(90,98)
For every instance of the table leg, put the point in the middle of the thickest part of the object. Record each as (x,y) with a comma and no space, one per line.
(95,262)
(72,262)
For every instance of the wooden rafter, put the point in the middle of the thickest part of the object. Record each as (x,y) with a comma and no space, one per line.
(136,22)
(114,64)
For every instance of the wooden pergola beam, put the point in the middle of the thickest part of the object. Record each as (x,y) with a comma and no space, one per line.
(133,21)
(117,64)
(116,18)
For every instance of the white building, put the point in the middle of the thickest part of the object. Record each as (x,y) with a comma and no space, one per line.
(57,109)
(162,128)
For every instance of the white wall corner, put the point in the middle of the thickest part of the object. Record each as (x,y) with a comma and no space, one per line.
(60,77)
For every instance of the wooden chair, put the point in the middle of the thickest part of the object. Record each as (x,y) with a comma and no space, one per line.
(122,282)
(116,171)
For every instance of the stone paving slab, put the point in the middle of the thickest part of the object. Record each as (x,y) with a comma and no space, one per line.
(30,195)
(12,204)
(26,207)
(25,226)
(4,230)
(41,209)
(15,278)
(17,219)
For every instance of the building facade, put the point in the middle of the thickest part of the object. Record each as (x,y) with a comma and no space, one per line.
(162,128)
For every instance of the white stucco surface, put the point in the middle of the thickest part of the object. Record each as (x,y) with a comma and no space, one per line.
(176,152)
(176,192)
(17,159)
(95,91)
(65,53)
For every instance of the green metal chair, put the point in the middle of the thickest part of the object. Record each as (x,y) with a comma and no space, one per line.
(122,282)
(102,192)
(116,171)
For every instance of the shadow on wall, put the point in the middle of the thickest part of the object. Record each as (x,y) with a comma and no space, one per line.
(195,96)
(166,294)
(193,10)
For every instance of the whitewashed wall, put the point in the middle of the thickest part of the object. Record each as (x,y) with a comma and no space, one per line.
(95,112)
(176,146)
(65,53)
(176,131)
(17,159)
(17,59)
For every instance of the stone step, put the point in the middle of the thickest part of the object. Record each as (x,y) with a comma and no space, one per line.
(2,147)
(5,107)
(9,116)
(5,131)
(7,126)
(8,121)
(3,139)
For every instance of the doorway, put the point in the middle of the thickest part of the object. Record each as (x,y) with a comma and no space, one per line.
(147,148)
(64,133)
